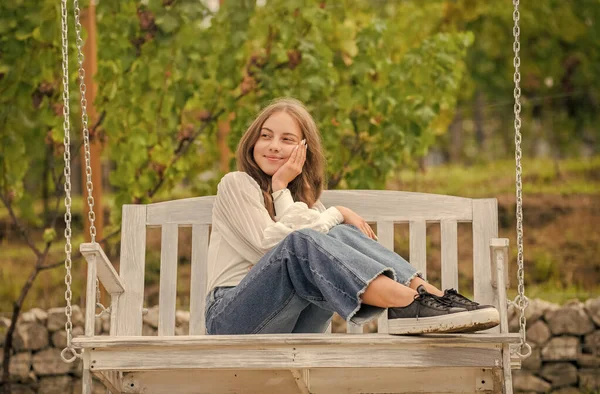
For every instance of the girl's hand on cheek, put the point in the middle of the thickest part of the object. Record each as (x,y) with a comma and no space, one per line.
(292,167)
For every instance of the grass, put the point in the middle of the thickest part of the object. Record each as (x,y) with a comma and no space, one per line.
(558,253)
(558,295)
(577,176)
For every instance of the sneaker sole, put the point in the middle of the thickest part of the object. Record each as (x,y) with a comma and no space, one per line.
(444,323)
(482,319)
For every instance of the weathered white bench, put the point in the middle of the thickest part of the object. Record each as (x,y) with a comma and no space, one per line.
(128,362)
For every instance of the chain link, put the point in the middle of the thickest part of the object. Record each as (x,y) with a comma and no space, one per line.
(84,122)
(520,300)
(67,171)
(69,353)
(86,142)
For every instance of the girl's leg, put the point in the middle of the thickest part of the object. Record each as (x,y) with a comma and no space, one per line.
(307,267)
(418,281)
(406,273)
(483,316)
(312,319)
(382,291)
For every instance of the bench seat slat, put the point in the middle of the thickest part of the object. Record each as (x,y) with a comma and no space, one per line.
(295,357)
(258,340)
(449,253)
(132,268)
(198,278)
(168,280)
(322,381)
(391,205)
(196,210)
(372,205)
(485,228)
(418,246)
(385,236)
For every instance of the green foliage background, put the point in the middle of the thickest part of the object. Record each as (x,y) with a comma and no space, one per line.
(368,91)
(382,79)
(167,73)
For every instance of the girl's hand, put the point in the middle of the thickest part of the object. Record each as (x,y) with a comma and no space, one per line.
(351,217)
(291,168)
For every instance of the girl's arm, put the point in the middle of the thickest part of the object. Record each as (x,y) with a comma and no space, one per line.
(349,217)
(244,222)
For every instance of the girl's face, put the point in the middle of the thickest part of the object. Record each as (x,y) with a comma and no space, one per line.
(279,135)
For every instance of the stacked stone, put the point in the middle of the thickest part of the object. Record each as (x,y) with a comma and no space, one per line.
(565,343)
(35,364)
(565,340)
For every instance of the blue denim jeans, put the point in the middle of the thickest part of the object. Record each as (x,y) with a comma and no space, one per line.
(298,285)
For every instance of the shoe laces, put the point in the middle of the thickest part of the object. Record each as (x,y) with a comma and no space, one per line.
(433,301)
(453,294)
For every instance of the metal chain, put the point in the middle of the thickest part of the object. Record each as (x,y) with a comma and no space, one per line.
(67,171)
(84,122)
(86,142)
(520,300)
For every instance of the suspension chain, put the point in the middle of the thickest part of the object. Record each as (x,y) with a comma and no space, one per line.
(86,142)
(67,172)
(520,300)
(84,122)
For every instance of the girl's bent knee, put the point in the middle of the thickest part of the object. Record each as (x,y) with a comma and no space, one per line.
(344,227)
(301,236)
(308,232)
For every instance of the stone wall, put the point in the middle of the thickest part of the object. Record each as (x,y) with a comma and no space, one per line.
(35,365)
(565,342)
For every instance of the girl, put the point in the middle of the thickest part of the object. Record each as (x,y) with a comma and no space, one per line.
(280,262)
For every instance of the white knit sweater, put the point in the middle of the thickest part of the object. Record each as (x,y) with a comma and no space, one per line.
(243,231)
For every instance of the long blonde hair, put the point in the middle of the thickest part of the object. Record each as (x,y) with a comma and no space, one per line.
(307,186)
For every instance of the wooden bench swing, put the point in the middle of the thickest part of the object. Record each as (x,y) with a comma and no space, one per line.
(127,362)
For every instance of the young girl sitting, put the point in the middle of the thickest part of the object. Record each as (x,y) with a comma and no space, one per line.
(281,262)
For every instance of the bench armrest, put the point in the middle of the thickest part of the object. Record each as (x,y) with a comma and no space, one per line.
(106,272)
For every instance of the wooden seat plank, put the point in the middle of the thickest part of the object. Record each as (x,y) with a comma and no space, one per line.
(257,340)
(322,381)
(295,357)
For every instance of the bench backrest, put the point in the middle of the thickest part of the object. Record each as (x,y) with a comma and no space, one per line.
(376,206)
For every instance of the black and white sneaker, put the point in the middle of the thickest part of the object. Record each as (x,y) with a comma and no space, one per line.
(483,316)
(428,314)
